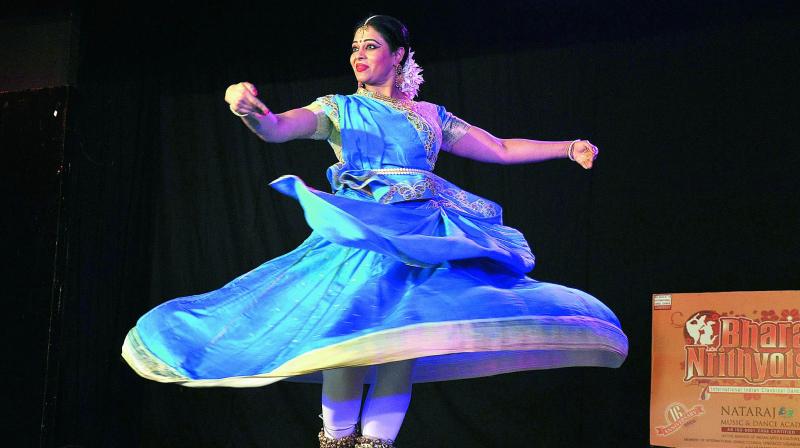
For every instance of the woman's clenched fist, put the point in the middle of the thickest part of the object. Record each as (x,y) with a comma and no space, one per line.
(243,100)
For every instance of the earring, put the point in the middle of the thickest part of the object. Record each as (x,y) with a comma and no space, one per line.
(398,79)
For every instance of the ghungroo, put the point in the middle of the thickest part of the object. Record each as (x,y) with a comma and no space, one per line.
(366,442)
(342,442)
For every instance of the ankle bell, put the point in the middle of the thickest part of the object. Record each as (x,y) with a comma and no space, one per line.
(342,442)
(366,442)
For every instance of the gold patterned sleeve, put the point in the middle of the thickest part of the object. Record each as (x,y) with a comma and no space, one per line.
(327,112)
(323,130)
(453,128)
(326,109)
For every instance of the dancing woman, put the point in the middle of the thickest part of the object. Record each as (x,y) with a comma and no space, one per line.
(405,278)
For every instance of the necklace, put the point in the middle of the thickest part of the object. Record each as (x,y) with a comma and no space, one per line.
(404,103)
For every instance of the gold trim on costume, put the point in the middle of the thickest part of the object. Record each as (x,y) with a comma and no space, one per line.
(529,333)
(327,113)
(419,117)
(453,128)
(324,125)
(439,189)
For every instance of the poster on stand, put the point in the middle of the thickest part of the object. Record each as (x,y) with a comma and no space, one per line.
(726,370)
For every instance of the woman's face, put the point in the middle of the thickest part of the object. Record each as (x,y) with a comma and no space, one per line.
(371,59)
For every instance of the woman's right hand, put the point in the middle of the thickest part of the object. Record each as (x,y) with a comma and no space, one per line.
(243,99)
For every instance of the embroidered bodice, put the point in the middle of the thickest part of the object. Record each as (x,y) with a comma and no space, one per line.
(387,149)
(369,130)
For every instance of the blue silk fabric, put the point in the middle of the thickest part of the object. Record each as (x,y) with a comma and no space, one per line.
(401,264)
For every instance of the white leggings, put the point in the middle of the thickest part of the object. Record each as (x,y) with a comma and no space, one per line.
(384,409)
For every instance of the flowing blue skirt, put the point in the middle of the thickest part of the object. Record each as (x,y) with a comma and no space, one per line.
(372,284)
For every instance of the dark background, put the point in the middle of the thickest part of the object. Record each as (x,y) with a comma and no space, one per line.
(162,192)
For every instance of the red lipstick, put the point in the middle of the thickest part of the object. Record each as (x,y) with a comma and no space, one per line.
(361,67)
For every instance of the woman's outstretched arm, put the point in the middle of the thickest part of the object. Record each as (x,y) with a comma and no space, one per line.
(477,144)
(270,127)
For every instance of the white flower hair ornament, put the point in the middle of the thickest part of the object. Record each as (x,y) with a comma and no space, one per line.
(410,76)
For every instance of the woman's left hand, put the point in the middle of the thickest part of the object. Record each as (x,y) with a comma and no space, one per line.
(584,153)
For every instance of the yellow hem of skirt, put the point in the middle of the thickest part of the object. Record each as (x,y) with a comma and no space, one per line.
(416,341)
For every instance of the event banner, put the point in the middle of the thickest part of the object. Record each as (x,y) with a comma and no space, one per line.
(726,370)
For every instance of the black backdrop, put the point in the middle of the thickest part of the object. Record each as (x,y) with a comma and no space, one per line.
(694,109)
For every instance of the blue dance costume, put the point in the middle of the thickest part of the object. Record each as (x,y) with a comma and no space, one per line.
(401,264)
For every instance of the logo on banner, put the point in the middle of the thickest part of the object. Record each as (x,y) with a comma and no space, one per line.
(740,348)
(700,328)
(677,415)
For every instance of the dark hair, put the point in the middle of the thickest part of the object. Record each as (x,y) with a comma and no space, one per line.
(393,30)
